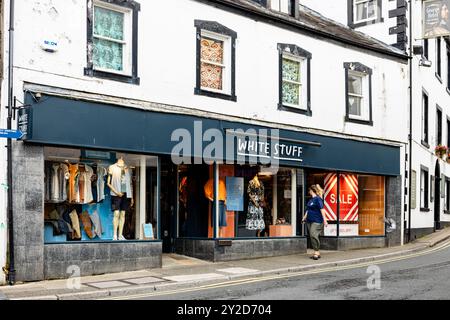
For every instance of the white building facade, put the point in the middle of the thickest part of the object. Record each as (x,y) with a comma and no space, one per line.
(430,99)
(108,80)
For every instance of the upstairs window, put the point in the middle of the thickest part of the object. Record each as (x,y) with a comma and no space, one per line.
(424,187)
(284,6)
(425,119)
(216,56)
(364,12)
(438,125)
(294,79)
(358,93)
(112,40)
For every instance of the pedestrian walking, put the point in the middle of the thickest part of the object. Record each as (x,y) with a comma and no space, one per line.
(315,218)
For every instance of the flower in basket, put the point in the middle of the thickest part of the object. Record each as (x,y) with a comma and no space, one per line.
(440,150)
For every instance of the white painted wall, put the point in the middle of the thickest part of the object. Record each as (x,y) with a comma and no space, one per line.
(167,65)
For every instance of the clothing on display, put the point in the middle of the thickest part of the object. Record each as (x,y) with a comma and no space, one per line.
(120,203)
(75,225)
(255,214)
(98,229)
(100,182)
(209,193)
(87,224)
(120,180)
(72,183)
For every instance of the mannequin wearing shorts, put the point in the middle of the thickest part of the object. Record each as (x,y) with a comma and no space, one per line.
(119,182)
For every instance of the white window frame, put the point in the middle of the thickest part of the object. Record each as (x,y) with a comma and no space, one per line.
(303,98)
(226,66)
(359,2)
(422,188)
(365,99)
(280,5)
(127,42)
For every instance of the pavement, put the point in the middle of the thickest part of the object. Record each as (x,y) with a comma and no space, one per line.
(180,272)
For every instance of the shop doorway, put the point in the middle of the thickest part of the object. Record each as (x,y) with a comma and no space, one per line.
(437,196)
(168,200)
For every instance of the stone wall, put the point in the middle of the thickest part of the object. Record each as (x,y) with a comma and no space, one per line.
(394,209)
(28,206)
(209,249)
(100,258)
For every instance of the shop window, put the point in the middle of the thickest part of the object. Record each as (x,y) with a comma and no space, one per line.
(354,202)
(294,83)
(364,12)
(259,201)
(358,93)
(99,196)
(424,188)
(112,40)
(215,60)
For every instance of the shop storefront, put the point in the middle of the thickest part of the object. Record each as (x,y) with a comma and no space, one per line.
(102,187)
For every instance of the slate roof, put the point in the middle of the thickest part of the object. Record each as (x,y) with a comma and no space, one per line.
(314,22)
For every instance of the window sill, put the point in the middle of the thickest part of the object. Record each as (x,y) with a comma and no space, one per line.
(306,112)
(365,23)
(425,144)
(424,209)
(212,94)
(111,76)
(438,77)
(358,121)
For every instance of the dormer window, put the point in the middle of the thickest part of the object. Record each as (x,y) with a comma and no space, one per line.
(284,6)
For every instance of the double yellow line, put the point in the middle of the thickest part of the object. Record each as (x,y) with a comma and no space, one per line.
(284,276)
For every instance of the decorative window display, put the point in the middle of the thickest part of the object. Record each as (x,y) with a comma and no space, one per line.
(212,63)
(292,86)
(355,202)
(92,195)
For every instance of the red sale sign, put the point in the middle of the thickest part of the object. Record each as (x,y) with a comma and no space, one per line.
(348,197)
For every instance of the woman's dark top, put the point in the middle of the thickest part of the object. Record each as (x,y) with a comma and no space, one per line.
(313,208)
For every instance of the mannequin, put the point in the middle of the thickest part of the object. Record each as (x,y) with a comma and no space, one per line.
(255,214)
(119,182)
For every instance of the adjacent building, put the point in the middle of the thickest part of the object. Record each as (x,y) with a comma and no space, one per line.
(196,127)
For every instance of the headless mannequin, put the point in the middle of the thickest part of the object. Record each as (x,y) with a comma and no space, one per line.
(119,216)
(258,184)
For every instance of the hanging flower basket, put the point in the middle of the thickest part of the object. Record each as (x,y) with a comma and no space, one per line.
(440,151)
(448,158)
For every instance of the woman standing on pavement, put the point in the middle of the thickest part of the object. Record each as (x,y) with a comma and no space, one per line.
(315,218)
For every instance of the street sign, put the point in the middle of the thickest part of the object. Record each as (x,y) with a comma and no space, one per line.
(11,134)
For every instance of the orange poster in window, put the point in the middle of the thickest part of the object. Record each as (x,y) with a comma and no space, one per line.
(348,197)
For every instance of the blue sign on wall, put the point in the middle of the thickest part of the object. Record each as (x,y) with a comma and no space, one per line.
(11,134)
(235,194)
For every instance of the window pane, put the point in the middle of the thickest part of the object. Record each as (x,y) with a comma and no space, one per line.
(355,106)
(211,76)
(108,23)
(108,55)
(82,200)
(291,93)
(354,84)
(212,50)
(371,205)
(361,11)
(291,70)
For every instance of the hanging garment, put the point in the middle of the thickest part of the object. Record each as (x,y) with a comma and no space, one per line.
(101,175)
(255,214)
(75,225)
(47,180)
(82,184)
(120,180)
(87,224)
(87,188)
(98,229)
(73,183)
(58,183)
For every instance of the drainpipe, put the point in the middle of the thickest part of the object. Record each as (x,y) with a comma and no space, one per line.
(11,109)
(410,139)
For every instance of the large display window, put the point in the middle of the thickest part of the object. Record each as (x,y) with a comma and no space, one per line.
(99,196)
(258,201)
(354,202)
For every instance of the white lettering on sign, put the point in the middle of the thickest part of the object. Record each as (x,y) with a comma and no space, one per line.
(280,150)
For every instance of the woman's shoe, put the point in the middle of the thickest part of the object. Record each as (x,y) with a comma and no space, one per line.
(316,257)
